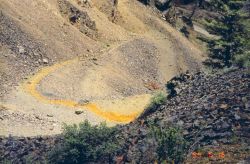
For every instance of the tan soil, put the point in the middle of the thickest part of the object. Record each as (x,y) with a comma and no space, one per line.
(111,71)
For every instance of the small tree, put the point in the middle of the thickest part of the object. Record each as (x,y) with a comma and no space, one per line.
(233,30)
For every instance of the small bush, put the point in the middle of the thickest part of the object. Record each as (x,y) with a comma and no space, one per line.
(172,146)
(243,60)
(158,99)
(85,143)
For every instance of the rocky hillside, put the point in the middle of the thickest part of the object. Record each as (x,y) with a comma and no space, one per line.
(66,61)
(212,110)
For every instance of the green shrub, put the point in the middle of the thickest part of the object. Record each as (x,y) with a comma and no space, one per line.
(85,143)
(243,60)
(172,146)
(158,99)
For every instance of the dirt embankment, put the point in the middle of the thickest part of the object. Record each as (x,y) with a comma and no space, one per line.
(117,63)
(33,35)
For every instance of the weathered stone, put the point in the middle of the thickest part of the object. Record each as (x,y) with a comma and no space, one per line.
(196,123)
(78,112)
(45,61)
(21,49)
(180,123)
(237,117)
(83,102)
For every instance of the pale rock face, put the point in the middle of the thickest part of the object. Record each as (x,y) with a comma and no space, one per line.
(45,61)
(21,49)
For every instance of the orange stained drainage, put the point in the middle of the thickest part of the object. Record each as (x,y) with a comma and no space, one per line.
(30,87)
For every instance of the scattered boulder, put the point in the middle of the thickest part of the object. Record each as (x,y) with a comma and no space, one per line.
(21,49)
(45,61)
(83,102)
(78,112)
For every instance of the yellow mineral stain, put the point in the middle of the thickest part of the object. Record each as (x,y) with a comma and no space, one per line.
(31,88)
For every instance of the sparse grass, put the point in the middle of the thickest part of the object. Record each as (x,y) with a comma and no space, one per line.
(158,99)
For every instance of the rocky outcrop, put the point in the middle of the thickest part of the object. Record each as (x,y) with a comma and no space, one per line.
(78,18)
(26,149)
(211,110)
(111,10)
(160,4)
